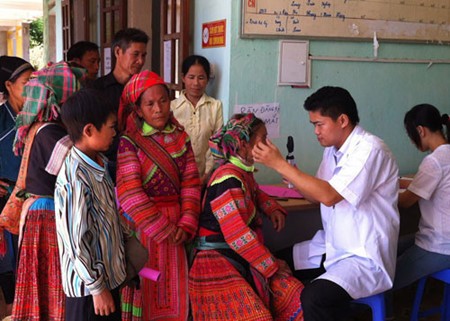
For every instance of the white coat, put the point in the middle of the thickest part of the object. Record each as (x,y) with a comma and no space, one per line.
(361,232)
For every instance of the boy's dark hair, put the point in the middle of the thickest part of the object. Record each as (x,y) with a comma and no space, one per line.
(87,106)
(333,102)
(425,115)
(196,60)
(78,49)
(123,39)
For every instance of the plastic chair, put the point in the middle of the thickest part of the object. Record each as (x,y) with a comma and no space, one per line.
(376,303)
(444,308)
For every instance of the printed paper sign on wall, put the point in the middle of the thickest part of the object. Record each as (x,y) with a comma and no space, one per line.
(214,34)
(268,112)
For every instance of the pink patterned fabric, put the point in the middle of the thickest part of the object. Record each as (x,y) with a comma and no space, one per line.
(241,280)
(151,200)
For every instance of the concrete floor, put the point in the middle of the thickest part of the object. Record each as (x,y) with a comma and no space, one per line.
(403,301)
(2,308)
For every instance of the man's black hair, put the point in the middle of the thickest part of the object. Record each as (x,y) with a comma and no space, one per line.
(123,39)
(78,49)
(333,102)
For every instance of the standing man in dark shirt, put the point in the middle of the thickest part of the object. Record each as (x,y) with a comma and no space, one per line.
(129,50)
(86,54)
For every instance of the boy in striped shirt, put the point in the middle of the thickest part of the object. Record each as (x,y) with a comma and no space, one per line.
(90,233)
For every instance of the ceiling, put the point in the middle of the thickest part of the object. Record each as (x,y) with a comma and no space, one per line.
(14,12)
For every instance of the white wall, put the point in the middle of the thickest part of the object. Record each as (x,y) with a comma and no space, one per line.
(208,11)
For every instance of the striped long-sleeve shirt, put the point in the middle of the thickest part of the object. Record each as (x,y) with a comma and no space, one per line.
(90,234)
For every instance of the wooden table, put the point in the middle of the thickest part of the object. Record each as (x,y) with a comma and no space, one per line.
(290,204)
(304,220)
(297,204)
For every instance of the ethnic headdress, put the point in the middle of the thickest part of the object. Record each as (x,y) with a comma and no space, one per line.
(48,89)
(227,140)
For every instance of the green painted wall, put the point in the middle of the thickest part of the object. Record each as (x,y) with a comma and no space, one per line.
(382,91)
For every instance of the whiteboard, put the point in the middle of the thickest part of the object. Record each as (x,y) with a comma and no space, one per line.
(404,20)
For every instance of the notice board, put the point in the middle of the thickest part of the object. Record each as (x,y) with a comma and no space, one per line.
(396,20)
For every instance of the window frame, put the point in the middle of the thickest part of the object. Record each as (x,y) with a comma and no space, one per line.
(177,53)
(67,22)
(117,7)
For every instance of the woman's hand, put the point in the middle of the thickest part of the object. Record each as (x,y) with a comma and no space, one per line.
(278,220)
(404,182)
(179,236)
(3,188)
(284,269)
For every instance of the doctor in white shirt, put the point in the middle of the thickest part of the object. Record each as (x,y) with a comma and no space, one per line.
(357,188)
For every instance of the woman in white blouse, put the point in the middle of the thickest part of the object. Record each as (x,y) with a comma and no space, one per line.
(430,251)
(200,114)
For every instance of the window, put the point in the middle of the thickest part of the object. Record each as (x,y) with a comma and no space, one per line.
(174,41)
(113,17)
(84,16)
(67,21)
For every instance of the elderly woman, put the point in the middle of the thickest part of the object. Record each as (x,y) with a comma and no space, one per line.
(14,74)
(39,293)
(233,275)
(159,189)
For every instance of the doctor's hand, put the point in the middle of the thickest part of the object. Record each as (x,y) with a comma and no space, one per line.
(268,154)
(278,220)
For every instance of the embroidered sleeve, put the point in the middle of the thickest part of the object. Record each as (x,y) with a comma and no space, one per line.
(267,204)
(229,209)
(190,194)
(132,197)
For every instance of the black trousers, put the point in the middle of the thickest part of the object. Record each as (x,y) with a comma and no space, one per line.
(303,275)
(322,300)
(8,286)
(78,309)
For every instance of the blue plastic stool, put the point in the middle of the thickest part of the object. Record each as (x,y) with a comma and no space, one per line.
(444,308)
(376,303)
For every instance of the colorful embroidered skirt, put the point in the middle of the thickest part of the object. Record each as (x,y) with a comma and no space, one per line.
(131,304)
(167,299)
(219,292)
(39,293)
